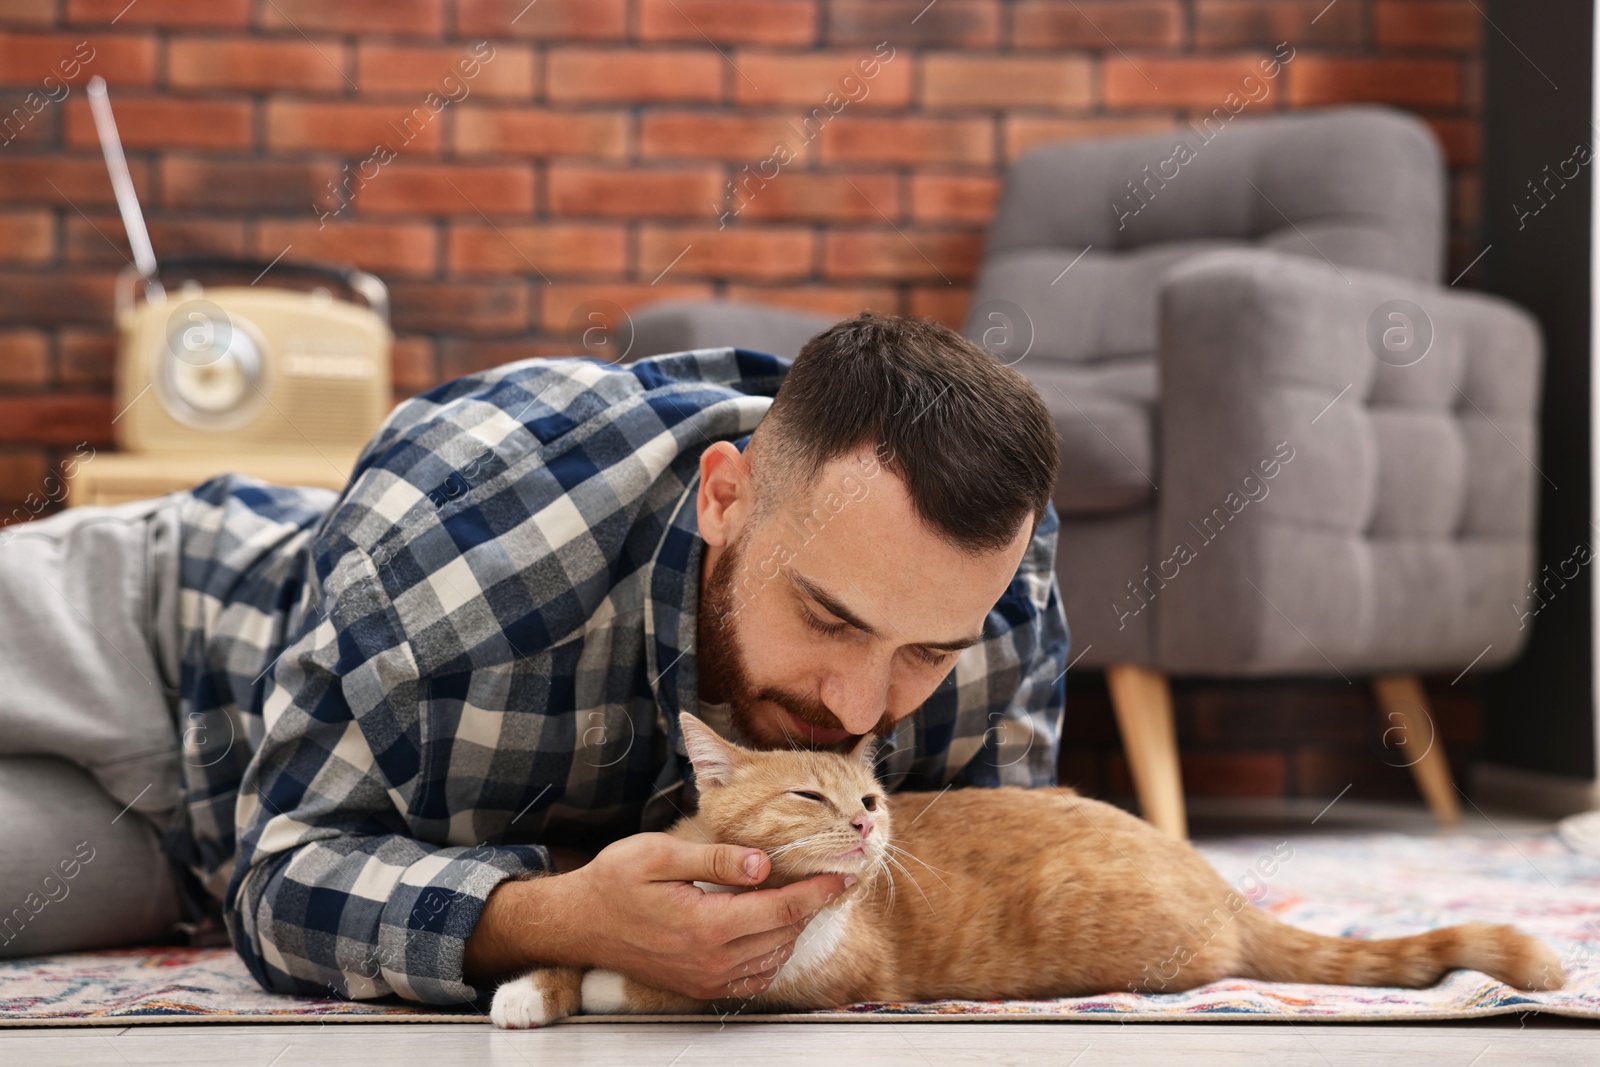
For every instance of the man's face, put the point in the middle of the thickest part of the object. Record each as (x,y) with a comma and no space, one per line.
(840,613)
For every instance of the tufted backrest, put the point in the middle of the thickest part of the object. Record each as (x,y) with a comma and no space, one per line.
(1362,187)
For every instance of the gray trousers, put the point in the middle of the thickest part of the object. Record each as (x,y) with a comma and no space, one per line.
(89,746)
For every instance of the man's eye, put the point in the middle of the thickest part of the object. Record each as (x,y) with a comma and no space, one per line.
(932,658)
(829,628)
(809,795)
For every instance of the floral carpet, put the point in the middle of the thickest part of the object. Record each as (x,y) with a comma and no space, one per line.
(1359,885)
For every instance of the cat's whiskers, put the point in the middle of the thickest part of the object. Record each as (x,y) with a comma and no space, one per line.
(914,884)
(908,853)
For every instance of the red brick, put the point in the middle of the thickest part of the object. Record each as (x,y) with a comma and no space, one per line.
(1191,81)
(1317,80)
(229,63)
(29,118)
(55,420)
(823,83)
(1462,140)
(1450,25)
(1466,201)
(717,135)
(254,185)
(547,249)
(413,367)
(66,182)
(461,356)
(832,301)
(24,358)
(948,22)
(180,14)
(99,238)
(953,198)
(1234,774)
(589,20)
(166,123)
(955,80)
(27,13)
(457,72)
(411,18)
(560,301)
(855,138)
(636,193)
(498,306)
(442,189)
(728,21)
(124,60)
(88,357)
(354,127)
(22,471)
(1265,23)
(1097,24)
(831,197)
(941,303)
(528,132)
(909,255)
(398,248)
(34,298)
(1023,132)
(26,236)
(742,252)
(585,74)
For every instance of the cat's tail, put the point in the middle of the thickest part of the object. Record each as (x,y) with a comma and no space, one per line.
(1279,953)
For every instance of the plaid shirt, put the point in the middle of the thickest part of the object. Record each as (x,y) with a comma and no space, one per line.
(401,695)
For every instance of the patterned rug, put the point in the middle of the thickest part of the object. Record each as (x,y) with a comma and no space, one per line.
(1383,885)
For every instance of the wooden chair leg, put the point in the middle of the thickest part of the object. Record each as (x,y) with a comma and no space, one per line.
(1143,703)
(1405,712)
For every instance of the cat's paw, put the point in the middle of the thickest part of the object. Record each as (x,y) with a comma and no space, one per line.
(520,1004)
(604,993)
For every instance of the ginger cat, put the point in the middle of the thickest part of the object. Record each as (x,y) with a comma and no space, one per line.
(993,893)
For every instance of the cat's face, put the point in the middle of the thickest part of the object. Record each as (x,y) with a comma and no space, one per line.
(810,811)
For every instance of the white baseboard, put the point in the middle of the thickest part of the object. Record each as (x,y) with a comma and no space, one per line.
(1555,795)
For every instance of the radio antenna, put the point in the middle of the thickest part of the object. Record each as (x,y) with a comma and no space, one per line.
(144,255)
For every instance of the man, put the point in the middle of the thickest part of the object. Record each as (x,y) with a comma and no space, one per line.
(450,688)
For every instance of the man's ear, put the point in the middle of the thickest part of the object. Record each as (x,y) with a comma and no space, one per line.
(726,493)
(713,757)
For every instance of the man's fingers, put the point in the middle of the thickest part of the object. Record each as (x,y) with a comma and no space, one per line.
(689,861)
(755,947)
(768,909)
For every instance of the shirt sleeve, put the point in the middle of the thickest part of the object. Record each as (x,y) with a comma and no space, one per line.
(1026,655)
(340,887)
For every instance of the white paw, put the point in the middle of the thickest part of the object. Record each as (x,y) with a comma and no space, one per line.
(518,1005)
(602,993)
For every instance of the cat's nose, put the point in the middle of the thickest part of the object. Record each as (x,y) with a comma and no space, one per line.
(862,823)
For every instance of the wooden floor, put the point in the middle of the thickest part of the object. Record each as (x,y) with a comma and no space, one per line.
(1498,1042)
(1491,1043)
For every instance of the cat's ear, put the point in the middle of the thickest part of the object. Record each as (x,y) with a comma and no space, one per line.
(713,757)
(866,749)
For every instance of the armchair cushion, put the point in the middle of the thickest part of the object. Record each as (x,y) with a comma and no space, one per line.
(1399,535)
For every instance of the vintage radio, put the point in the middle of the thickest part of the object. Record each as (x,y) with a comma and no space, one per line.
(248,368)
(250,375)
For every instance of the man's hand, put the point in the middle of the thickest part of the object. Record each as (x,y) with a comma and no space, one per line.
(648,920)
(634,909)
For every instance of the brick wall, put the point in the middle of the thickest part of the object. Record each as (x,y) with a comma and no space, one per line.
(586,151)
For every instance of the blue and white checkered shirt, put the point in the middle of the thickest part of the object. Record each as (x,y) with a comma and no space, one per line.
(401,695)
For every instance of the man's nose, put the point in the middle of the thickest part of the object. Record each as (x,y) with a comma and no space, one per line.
(864,824)
(858,700)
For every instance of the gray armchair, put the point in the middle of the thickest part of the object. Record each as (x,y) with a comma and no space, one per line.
(1287,448)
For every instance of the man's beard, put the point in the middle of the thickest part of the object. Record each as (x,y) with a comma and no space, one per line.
(721,665)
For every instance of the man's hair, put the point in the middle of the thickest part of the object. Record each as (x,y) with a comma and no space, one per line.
(968,436)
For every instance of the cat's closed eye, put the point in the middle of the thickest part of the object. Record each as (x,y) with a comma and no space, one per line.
(809,795)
